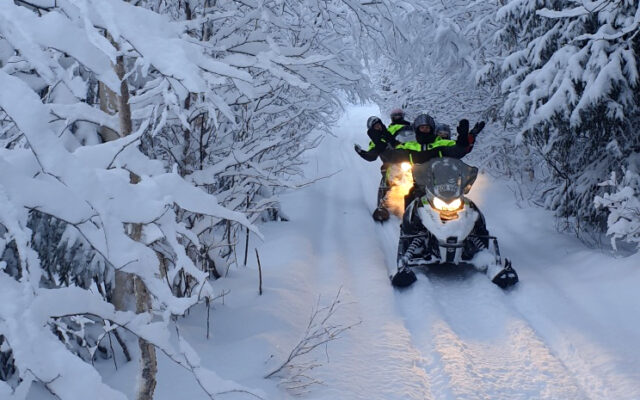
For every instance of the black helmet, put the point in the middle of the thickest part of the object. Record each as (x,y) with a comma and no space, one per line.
(424,119)
(372,121)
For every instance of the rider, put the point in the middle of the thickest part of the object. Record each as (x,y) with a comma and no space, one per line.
(400,127)
(381,140)
(397,117)
(443,131)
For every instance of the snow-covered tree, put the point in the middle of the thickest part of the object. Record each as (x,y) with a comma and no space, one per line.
(435,72)
(623,204)
(569,72)
(302,60)
(103,192)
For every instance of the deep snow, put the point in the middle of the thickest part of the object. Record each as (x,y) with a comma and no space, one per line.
(568,330)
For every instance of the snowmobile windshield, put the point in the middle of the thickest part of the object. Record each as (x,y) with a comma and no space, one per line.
(445,178)
(406,134)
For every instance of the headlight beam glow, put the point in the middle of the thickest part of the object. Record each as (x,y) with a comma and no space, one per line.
(439,204)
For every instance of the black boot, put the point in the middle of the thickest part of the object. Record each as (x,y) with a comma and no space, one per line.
(381,214)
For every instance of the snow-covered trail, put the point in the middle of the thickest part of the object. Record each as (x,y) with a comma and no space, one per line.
(463,340)
(347,255)
(569,330)
(451,337)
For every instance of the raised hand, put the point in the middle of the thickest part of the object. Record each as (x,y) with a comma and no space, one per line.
(463,127)
(477,128)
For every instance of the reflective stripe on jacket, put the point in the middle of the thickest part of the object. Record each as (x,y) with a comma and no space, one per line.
(394,128)
(414,146)
(417,147)
(440,142)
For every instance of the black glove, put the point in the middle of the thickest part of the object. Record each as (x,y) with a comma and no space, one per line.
(463,127)
(477,128)
(367,155)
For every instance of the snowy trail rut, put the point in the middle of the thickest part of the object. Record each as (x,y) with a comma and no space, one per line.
(378,353)
(447,336)
(481,347)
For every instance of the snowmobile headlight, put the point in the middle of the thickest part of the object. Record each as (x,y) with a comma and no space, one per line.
(405,166)
(439,204)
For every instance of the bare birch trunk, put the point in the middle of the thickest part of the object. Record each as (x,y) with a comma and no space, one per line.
(148,359)
(126,284)
(123,290)
(124,109)
(108,104)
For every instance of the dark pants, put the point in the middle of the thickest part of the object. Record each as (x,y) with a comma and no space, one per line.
(383,188)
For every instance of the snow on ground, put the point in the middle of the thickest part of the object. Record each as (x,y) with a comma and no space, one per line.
(568,330)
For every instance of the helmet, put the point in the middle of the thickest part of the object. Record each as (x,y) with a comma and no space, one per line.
(424,119)
(421,137)
(443,131)
(397,114)
(372,121)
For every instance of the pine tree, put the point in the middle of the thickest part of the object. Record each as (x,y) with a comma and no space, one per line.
(570,76)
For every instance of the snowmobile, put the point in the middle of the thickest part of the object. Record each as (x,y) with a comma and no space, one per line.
(395,184)
(440,226)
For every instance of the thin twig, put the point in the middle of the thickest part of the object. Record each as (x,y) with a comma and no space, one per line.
(123,345)
(259,273)
(319,331)
(113,353)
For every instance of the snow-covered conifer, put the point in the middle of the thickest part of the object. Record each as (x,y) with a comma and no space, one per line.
(623,204)
(570,76)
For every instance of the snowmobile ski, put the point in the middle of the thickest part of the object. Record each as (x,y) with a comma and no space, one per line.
(507,276)
(403,278)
